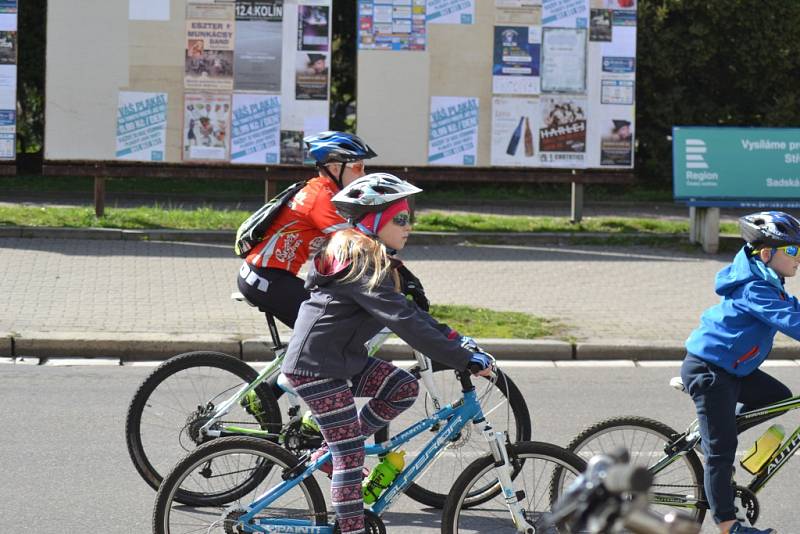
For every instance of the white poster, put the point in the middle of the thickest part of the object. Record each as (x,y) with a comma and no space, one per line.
(562,132)
(8,15)
(451,12)
(256,128)
(514,123)
(518,12)
(8,87)
(8,134)
(565,13)
(620,92)
(141,126)
(453,132)
(148,10)
(304,90)
(563,60)
(206,121)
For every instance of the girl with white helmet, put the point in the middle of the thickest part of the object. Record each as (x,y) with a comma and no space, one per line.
(355,292)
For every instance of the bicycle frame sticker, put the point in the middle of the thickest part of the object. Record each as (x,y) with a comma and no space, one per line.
(436,445)
(456,415)
(285,527)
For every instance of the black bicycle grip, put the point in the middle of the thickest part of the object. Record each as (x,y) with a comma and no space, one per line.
(625,478)
(475,368)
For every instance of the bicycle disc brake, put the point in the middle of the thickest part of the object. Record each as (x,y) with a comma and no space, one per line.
(748,501)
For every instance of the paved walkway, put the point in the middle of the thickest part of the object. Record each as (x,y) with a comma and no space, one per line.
(604,295)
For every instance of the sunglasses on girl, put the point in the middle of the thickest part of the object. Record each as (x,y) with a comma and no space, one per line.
(402,219)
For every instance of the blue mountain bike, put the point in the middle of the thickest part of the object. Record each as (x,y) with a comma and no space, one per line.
(244,484)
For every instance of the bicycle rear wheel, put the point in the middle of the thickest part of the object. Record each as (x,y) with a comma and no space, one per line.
(504,406)
(174,401)
(230,474)
(543,469)
(679,483)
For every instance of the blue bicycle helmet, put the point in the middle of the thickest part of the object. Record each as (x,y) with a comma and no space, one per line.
(770,229)
(337,147)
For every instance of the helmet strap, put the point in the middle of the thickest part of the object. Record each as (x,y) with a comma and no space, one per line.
(340,181)
(363,229)
(324,170)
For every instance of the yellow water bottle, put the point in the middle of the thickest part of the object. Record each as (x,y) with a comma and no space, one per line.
(382,476)
(762,450)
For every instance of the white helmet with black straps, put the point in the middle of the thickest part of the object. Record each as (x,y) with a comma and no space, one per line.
(371,193)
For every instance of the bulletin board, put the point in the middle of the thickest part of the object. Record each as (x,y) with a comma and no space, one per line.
(185,82)
(498,83)
(442,85)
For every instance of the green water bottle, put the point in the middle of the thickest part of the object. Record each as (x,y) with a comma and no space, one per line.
(382,476)
(308,424)
(252,405)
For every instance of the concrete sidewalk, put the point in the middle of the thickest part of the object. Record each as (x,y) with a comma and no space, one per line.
(144,300)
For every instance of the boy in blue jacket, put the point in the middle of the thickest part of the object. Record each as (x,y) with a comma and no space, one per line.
(733,339)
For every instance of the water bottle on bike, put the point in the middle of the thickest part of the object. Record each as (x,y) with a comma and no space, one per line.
(382,476)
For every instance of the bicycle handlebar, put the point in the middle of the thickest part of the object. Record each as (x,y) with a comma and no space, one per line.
(627,478)
(611,493)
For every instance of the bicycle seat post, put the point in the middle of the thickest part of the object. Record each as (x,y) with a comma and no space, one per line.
(273,330)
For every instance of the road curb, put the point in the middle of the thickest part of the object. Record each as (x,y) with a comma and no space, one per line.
(124,346)
(626,350)
(138,347)
(6,345)
(224,237)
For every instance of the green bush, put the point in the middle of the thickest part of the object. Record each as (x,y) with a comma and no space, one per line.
(712,63)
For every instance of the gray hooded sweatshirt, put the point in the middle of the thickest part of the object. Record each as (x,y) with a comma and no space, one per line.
(339,318)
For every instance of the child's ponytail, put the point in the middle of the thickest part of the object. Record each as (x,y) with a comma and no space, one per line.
(363,255)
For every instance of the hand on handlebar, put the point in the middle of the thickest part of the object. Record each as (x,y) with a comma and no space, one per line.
(481,363)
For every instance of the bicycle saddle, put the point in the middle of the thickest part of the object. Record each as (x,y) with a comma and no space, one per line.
(238,296)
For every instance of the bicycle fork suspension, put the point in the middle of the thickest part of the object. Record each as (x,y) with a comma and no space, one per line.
(503,470)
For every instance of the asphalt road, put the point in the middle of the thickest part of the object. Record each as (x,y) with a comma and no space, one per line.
(65,469)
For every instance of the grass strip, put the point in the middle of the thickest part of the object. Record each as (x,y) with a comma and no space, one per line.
(483,322)
(151,218)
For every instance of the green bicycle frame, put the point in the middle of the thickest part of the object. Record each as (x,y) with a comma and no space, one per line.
(744,421)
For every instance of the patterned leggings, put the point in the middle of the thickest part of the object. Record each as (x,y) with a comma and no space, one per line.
(331,400)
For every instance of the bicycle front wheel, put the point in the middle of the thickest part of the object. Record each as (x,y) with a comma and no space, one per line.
(543,470)
(230,474)
(503,405)
(176,400)
(679,483)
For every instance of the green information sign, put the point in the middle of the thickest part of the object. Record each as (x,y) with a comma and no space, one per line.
(736,166)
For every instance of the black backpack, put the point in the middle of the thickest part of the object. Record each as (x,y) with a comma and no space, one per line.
(252,231)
